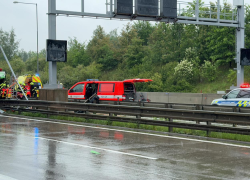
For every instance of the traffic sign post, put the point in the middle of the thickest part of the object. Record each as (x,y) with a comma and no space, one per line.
(52,35)
(240,43)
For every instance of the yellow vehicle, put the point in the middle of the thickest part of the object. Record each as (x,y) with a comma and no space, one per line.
(30,84)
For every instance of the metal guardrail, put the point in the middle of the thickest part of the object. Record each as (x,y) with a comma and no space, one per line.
(138,114)
(173,105)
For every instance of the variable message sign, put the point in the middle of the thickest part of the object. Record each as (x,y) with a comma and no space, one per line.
(169,8)
(56,50)
(245,57)
(147,7)
(124,7)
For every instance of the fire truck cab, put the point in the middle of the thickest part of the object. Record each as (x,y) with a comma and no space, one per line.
(105,90)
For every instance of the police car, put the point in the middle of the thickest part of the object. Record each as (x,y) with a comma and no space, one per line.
(239,97)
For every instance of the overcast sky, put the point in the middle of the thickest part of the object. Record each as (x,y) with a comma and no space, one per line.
(22,18)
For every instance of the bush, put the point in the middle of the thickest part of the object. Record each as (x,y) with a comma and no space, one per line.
(184,71)
(232,76)
(182,86)
(208,71)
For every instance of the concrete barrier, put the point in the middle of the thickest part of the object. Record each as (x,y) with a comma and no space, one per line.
(182,98)
(161,97)
(53,95)
(185,98)
(208,98)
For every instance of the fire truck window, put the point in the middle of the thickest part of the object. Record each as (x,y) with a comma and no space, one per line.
(244,94)
(78,88)
(128,87)
(107,87)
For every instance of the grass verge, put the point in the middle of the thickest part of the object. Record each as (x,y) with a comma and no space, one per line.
(229,136)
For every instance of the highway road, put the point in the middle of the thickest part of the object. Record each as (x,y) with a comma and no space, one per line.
(44,149)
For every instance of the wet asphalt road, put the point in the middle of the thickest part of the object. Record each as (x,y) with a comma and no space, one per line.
(37,149)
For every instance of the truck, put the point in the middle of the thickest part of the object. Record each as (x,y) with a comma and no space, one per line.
(105,90)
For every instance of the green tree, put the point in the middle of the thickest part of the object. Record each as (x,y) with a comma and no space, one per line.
(144,30)
(100,50)
(135,53)
(209,71)
(9,44)
(160,44)
(106,58)
(17,65)
(93,71)
(23,55)
(247,25)
(68,76)
(77,53)
(30,65)
(221,44)
(114,38)
(157,84)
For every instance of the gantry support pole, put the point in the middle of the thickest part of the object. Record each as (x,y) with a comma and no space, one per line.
(240,44)
(52,35)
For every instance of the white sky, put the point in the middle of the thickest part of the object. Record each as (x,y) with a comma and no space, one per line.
(22,17)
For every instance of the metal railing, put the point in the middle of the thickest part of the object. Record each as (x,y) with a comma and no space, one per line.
(211,115)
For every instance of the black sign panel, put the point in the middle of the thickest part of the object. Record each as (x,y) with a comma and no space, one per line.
(169,8)
(245,57)
(169,3)
(124,7)
(147,7)
(56,50)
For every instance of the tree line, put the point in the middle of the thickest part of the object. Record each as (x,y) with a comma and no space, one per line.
(178,57)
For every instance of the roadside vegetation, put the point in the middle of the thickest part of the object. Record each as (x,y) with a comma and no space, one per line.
(134,126)
(178,57)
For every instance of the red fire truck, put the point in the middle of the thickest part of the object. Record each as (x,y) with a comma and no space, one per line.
(105,90)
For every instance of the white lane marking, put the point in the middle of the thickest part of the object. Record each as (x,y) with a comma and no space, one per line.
(92,147)
(133,132)
(3,177)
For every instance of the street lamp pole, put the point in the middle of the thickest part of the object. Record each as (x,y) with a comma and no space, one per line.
(37,40)
(15,2)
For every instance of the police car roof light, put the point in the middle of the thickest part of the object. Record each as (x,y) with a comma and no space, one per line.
(92,80)
(245,85)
